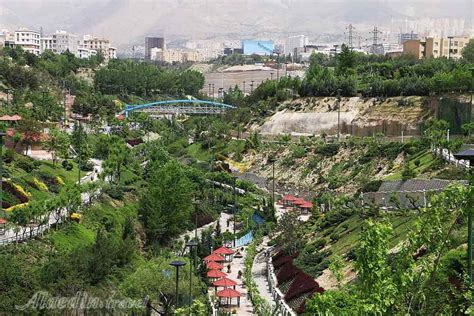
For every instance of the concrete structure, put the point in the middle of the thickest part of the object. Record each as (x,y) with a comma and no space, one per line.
(64,41)
(407,37)
(29,40)
(294,44)
(175,56)
(436,47)
(112,53)
(153,42)
(83,52)
(257,47)
(101,45)
(47,43)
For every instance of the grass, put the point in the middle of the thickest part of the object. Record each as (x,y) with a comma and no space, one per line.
(197,152)
(72,236)
(426,159)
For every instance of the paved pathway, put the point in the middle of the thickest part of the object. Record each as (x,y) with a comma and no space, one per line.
(10,235)
(259,273)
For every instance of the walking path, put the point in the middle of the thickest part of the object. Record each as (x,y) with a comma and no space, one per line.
(10,234)
(260,272)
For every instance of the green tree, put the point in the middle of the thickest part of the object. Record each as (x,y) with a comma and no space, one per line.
(116,160)
(346,59)
(57,144)
(468,52)
(191,81)
(166,204)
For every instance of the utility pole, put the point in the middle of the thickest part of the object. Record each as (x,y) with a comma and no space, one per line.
(350,35)
(338,114)
(235,206)
(251,87)
(244,87)
(375,40)
(271,76)
(209,93)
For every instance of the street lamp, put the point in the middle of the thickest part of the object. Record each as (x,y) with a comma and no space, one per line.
(272,160)
(191,244)
(244,87)
(235,205)
(196,205)
(472,81)
(469,155)
(271,76)
(177,264)
(2,134)
(338,113)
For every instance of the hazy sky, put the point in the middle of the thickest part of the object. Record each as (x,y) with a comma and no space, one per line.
(127,21)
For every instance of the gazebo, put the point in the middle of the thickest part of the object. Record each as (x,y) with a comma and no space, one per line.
(3,222)
(215,274)
(306,207)
(224,251)
(288,200)
(214,257)
(225,283)
(229,294)
(212,265)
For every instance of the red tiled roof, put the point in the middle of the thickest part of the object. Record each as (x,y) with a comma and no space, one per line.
(306,205)
(212,265)
(289,197)
(225,282)
(214,257)
(215,274)
(223,251)
(229,293)
(299,202)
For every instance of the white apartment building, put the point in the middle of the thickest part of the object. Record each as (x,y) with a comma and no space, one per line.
(47,43)
(29,40)
(97,44)
(112,53)
(83,52)
(65,41)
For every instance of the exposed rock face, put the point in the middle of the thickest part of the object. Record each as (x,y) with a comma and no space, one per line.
(358,116)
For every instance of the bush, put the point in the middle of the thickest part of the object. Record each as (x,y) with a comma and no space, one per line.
(334,236)
(320,243)
(327,150)
(8,155)
(115,192)
(372,186)
(67,165)
(87,166)
(25,163)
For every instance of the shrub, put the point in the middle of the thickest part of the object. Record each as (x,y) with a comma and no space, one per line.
(320,243)
(298,152)
(327,150)
(8,155)
(417,162)
(115,192)
(25,163)
(67,165)
(87,166)
(372,186)
(334,236)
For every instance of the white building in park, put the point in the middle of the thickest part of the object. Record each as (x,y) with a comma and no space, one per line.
(29,40)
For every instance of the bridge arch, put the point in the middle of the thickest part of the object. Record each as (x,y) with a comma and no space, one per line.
(180,107)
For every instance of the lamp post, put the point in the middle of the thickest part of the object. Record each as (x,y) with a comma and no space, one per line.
(469,155)
(213,91)
(209,93)
(272,159)
(338,113)
(196,205)
(271,76)
(177,264)
(243,87)
(191,244)
(2,134)
(472,82)
(251,87)
(235,205)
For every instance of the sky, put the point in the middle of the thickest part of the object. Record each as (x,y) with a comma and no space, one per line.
(127,21)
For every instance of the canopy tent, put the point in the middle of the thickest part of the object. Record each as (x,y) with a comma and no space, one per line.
(212,265)
(228,294)
(214,257)
(288,200)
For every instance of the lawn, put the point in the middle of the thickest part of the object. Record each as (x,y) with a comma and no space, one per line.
(426,161)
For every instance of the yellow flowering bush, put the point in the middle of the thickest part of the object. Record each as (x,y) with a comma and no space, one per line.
(76,216)
(40,185)
(15,207)
(22,191)
(59,180)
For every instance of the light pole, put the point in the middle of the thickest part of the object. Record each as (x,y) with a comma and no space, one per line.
(213,91)
(177,264)
(251,87)
(244,87)
(272,160)
(472,82)
(338,113)
(2,134)
(191,244)
(235,205)
(278,66)
(271,76)
(196,205)
(469,155)
(209,93)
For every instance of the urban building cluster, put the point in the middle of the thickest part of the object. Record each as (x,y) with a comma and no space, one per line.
(156,50)
(59,42)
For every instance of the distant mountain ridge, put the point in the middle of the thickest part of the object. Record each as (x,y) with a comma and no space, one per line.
(126,22)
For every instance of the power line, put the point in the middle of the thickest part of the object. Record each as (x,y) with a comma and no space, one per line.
(375,40)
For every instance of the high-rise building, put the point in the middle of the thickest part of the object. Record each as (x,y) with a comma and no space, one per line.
(64,41)
(29,40)
(153,42)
